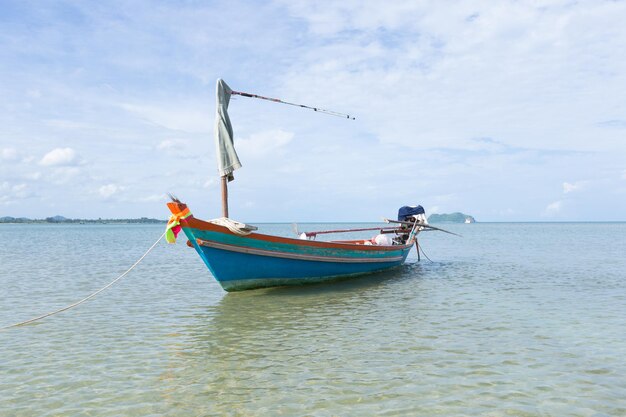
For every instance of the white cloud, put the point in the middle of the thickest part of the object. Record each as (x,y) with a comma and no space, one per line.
(166,145)
(8,154)
(6,186)
(184,118)
(264,143)
(553,208)
(34,93)
(33,175)
(67,124)
(577,186)
(507,212)
(177,148)
(210,183)
(12,193)
(60,157)
(109,190)
(153,198)
(444,198)
(63,174)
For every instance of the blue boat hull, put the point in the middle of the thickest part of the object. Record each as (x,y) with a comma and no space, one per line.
(243,260)
(237,271)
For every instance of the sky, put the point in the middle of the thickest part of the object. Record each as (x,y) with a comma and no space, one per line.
(507,111)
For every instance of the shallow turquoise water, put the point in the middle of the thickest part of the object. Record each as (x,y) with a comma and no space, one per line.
(511,319)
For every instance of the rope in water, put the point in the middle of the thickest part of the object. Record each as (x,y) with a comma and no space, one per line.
(89,296)
(424,253)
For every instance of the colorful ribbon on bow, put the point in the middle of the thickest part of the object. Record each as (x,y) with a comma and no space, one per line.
(173,225)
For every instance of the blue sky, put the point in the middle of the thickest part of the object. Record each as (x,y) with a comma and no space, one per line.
(509,111)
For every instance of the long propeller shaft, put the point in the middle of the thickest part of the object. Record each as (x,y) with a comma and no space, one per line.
(427,226)
(322,232)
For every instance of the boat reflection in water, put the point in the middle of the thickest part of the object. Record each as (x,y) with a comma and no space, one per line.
(280,347)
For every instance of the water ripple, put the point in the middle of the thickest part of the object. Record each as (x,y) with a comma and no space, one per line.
(491,328)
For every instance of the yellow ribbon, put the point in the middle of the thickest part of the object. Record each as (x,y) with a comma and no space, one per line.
(174,221)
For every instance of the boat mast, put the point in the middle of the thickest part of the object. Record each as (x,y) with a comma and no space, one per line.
(224,196)
(227,159)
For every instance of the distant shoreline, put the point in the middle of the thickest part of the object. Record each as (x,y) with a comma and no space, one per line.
(63,220)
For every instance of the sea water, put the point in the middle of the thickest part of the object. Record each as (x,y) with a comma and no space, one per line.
(510,319)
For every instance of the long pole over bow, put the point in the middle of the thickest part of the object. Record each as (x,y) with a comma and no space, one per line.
(277,100)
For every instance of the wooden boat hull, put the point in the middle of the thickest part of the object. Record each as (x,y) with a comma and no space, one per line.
(256,260)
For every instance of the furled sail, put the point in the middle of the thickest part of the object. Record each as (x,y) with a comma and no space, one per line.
(227,159)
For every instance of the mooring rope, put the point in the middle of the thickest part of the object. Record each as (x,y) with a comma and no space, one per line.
(89,296)
(424,253)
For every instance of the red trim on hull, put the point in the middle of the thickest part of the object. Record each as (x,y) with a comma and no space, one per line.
(194,223)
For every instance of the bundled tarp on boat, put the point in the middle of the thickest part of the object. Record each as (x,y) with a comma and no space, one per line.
(227,159)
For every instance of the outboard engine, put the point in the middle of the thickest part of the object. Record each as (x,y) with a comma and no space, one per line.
(411,215)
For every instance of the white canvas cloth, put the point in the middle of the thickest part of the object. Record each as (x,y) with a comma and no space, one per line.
(227,159)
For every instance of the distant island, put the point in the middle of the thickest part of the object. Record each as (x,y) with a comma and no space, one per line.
(65,220)
(451,218)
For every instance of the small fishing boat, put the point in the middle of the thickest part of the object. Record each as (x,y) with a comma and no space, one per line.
(240,258)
